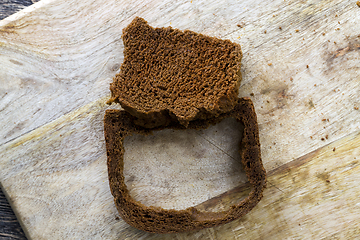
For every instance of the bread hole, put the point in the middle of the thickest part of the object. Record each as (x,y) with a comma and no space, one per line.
(177,169)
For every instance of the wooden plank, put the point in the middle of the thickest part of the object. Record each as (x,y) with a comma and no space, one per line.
(9,226)
(8,7)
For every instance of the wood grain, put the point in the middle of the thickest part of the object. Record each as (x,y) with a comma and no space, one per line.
(8,7)
(300,67)
(9,226)
(177,163)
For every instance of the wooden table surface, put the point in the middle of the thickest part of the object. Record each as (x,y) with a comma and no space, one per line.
(9,226)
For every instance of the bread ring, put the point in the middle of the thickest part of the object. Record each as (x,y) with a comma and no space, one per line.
(120,124)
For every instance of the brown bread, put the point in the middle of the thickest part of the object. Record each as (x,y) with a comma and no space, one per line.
(171,75)
(120,124)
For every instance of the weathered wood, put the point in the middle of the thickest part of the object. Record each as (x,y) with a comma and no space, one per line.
(170,168)
(9,226)
(57,59)
(8,7)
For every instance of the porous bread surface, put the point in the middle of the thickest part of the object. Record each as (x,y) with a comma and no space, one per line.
(168,75)
(120,124)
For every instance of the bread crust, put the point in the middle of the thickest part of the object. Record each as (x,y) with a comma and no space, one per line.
(120,124)
(171,75)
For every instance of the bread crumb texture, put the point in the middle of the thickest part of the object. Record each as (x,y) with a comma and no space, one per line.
(119,124)
(168,75)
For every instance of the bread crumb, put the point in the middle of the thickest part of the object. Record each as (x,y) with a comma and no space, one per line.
(291,79)
(333,149)
(358,3)
(307,66)
(314,85)
(336,15)
(334,42)
(296,30)
(239,25)
(324,119)
(327,180)
(322,139)
(327,136)
(356,108)
(311,137)
(323,34)
(280,28)
(252,94)
(337,29)
(339,22)
(265,31)
(144,103)
(269,64)
(267,101)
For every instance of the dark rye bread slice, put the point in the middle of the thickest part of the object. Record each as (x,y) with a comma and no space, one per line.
(120,124)
(168,75)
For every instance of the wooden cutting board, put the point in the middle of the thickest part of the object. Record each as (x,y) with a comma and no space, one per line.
(300,67)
